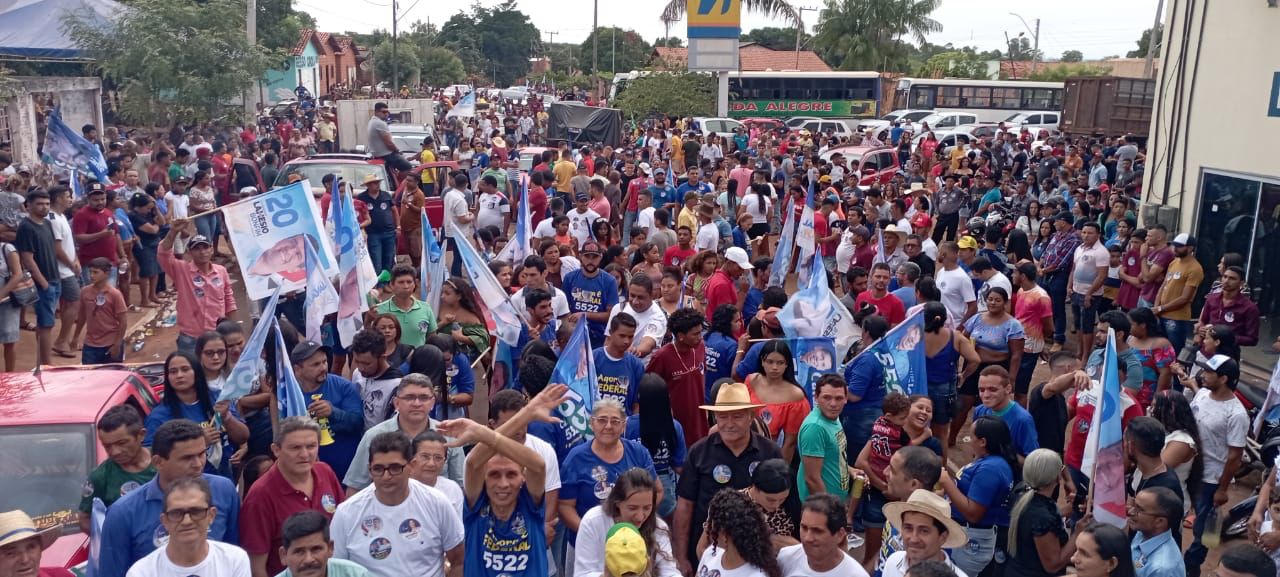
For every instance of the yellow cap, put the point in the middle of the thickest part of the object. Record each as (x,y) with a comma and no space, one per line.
(624,551)
(967,242)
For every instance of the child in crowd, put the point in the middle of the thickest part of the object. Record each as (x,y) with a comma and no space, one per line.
(105,313)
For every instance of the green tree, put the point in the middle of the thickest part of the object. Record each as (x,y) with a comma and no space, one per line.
(867,34)
(1060,73)
(493,43)
(1144,42)
(1020,50)
(384,62)
(632,49)
(669,42)
(775,38)
(1072,56)
(173,60)
(440,67)
(679,94)
(954,65)
(279,25)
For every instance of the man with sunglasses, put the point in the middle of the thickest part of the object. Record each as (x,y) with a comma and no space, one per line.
(133,528)
(398,526)
(188,513)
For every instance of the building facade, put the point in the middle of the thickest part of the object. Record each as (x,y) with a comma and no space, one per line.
(1211,158)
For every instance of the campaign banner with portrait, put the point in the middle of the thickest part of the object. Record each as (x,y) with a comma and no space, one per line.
(901,351)
(814,357)
(270,232)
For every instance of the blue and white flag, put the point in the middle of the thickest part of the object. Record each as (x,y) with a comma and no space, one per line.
(901,351)
(466,107)
(880,256)
(77,187)
(517,248)
(815,312)
(292,402)
(250,367)
(96,519)
(814,357)
(506,320)
(431,269)
(778,273)
(353,257)
(576,368)
(1104,458)
(806,239)
(67,148)
(322,299)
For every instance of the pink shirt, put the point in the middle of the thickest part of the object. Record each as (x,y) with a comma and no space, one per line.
(742,176)
(1031,307)
(202,298)
(601,206)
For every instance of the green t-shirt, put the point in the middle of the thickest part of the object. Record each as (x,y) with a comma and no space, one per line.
(176,170)
(500,176)
(823,438)
(109,482)
(338,568)
(415,323)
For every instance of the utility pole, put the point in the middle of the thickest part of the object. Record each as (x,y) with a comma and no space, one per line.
(1153,42)
(395,49)
(800,30)
(613,51)
(1035,39)
(595,48)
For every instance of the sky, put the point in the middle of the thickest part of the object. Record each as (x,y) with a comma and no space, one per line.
(1098,28)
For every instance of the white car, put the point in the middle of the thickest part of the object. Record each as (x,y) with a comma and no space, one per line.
(944,121)
(797,122)
(723,127)
(457,91)
(408,138)
(516,93)
(827,126)
(882,124)
(1035,121)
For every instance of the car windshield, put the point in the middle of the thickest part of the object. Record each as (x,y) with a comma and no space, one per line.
(42,470)
(408,143)
(1016,117)
(350,172)
(526,161)
(915,116)
(931,119)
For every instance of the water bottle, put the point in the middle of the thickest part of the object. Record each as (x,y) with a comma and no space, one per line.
(124,267)
(1212,535)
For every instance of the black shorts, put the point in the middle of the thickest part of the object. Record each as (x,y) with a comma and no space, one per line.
(758,229)
(970,385)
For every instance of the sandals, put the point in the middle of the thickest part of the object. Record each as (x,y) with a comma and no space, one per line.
(29,326)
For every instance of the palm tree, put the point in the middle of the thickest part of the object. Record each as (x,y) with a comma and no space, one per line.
(866,34)
(778,8)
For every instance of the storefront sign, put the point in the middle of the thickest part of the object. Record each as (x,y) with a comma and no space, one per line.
(819,108)
(304,61)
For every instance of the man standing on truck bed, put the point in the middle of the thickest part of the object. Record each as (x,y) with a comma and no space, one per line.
(380,144)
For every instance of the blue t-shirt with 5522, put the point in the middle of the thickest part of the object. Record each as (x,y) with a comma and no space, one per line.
(587,478)
(987,481)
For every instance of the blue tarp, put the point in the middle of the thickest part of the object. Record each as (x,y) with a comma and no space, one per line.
(34,29)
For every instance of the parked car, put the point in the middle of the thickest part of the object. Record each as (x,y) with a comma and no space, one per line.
(884,123)
(795,122)
(723,127)
(827,126)
(1034,121)
(530,156)
(516,93)
(49,444)
(456,90)
(944,121)
(409,137)
(351,168)
(765,124)
(947,138)
(874,164)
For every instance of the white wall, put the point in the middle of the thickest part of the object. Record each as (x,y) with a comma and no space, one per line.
(1225,93)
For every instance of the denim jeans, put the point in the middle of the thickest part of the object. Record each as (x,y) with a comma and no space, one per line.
(91,355)
(628,220)
(857,424)
(455,267)
(382,250)
(1178,332)
(1056,285)
(1197,551)
(186,343)
(1025,370)
(207,225)
(975,555)
(667,506)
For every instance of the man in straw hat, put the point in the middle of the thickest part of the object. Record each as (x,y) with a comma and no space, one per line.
(924,520)
(723,459)
(21,545)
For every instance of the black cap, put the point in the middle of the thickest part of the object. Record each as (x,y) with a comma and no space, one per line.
(1065,216)
(305,350)
(96,187)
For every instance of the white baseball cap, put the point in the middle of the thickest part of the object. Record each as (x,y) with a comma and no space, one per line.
(739,257)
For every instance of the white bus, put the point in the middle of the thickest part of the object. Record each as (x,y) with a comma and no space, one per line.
(990,100)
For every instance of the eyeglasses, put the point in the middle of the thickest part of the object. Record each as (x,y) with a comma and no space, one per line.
(196,513)
(432,458)
(417,398)
(214,352)
(379,470)
(607,421)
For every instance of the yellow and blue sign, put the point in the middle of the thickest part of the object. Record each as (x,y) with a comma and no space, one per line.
(715,18)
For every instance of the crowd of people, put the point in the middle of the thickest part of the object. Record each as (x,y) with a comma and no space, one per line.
(706,455)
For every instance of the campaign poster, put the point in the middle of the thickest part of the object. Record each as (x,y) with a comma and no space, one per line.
(270,232)
(901,352)
(814,357)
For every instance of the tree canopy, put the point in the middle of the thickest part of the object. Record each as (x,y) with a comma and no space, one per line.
(632,49)
(492,42)
(1144,42)
(775,38)
(869,34)
(440,67)
(1065,71)
(1072,56)
(679,94)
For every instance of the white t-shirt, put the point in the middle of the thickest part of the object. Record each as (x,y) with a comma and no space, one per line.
(455,205)
(645,218)
(408,539)
(62,233)
(580,225)
(1223,424)
(929,247)
(710,564)
(588,557)
(451,491)
(708,237)
(845,252)
(956,289)
(896,566)
(996,280)
(1184,470)
(375,396)
(181,204)
(751,205)
(651,323)
(222,561)
(559,303)
(492,208)
(795,564)
(548,454)
(1085,263)
(544,229)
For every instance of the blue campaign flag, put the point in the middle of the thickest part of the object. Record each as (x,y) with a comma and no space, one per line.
(901,351)
(466,107)
(815,311)
(778,274)
(77,188)
(806,238)
(292,402)
(880,256)
(495,298)
(517,249)
(67,148)
(322,298)
(1104,459)
(814,357)
(576,368)
(247,370)
(96,519)
(354,287)
(431,269)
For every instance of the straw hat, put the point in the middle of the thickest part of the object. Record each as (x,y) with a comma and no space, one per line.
(893,229)
(928,503)
(731,397)
(17,526)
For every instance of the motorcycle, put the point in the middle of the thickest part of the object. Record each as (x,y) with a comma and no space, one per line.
(1260,451)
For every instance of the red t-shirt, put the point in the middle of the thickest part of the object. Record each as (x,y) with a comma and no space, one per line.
(864,256)
(1079,429)
(90,221)
(889,306)
(362,209)
(720,291)
(272,499)
(821,229)
(886,438)
(103,312)
(685,381)
(677,256)
(537,205)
